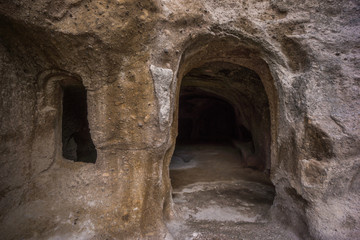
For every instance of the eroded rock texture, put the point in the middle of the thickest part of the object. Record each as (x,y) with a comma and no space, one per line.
(289,69)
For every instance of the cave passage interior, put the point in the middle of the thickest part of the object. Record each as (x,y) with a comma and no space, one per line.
(220,167)
(204,117)
(77,144)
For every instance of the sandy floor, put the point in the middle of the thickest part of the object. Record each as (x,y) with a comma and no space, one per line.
(217,198)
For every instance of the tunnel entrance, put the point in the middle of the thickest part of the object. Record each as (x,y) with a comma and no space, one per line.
(77,144)
(220,167)
(225,103)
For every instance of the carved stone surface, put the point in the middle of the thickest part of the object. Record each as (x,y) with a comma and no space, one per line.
(132,58)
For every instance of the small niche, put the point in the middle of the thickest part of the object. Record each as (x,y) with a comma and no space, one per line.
(77,144)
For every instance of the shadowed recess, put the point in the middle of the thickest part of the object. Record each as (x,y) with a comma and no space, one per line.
(205,118)
(76,138)
(226,103)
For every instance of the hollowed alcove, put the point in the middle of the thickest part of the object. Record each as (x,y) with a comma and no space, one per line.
(77,144)
(220,167)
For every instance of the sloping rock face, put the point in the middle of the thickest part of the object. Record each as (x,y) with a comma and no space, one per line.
(131,57)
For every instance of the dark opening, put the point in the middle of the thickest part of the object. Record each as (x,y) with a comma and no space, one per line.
(205,118)
(76,139)
(223,126)
(226,103)
(222,149)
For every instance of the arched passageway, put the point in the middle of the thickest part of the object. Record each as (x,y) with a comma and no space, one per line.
(220,167)
(226,103)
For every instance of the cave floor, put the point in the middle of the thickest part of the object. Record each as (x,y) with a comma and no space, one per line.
(216,197)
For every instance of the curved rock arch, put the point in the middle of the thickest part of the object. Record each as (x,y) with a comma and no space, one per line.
(229,49)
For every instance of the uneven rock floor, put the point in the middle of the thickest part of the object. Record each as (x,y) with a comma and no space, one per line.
(216,197)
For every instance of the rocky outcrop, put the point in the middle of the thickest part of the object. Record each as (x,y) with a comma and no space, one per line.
(132,58)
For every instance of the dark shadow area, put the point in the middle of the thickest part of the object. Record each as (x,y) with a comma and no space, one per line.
(76,138)
(205,119)
(224,103)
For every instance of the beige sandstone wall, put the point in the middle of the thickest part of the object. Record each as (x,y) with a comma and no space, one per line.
(131,57)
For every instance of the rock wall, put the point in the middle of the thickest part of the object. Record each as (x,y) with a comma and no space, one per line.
(131,57)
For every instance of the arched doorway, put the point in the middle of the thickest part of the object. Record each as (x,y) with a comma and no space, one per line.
(221,164)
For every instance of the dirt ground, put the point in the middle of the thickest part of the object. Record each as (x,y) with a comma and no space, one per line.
(216,197)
